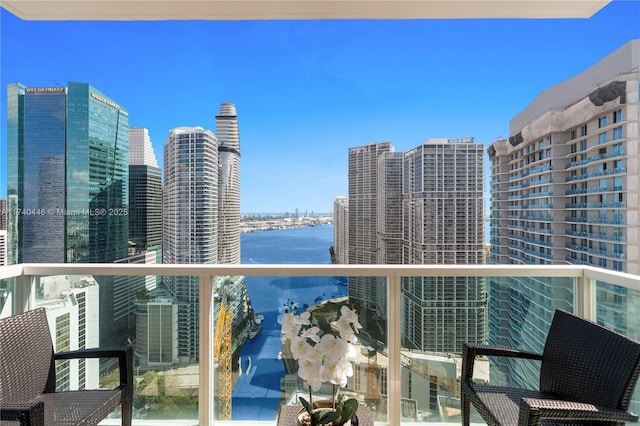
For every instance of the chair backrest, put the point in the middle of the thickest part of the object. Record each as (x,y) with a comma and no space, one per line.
(26,355)
(585,362)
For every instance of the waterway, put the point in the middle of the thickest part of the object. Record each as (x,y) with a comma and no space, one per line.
(256,394)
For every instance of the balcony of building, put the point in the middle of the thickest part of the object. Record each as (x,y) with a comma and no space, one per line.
(512,304)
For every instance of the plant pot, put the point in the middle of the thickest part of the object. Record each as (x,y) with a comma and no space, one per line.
(323,405)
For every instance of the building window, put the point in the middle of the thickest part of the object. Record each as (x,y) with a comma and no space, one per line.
(617,116)
(583,130)
(617,133)
(602,137)
(602,122)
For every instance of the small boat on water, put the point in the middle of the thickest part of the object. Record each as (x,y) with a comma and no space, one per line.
(255,330)
(257,318)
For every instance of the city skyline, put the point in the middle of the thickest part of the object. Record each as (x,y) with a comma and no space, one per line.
(307,91)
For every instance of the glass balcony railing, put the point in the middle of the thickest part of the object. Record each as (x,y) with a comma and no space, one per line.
(407,369)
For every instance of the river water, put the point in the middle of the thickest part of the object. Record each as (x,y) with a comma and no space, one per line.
(256,394)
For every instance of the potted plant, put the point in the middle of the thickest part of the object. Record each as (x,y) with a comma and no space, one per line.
(323,357)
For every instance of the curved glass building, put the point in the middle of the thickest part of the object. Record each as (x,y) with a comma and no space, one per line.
(229,184)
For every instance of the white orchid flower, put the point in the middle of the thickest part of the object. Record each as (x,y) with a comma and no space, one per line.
(334,372)
(312,334)
(300,349)
(309,367)
(351,316)
(303,318)
(333,348)
(345,329)
(289,327)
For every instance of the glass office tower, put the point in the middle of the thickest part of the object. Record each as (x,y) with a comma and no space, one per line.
(68,175)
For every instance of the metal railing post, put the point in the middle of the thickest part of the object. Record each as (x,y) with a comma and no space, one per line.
(206,380)
(394,384)
(23,294)
(584,301)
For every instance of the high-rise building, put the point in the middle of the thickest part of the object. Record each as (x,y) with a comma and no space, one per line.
(190,222)
(229,184)
(71,305)
(3,214)
(68,182)
(156,330)
(389,207)
(67,175)
(564,189)
(423,206)
(3,248)
(442,217)
(369,293)
(341,230)
(145,193)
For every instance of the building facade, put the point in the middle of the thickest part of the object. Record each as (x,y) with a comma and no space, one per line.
(3,214)
(341,230)
(145,194)
(68,182)
(190,222)
(423,206)
(71,305)
(67,175)
(564,190)
(442,218)
(3,248)
(229,184)
(156,330)
(368,293)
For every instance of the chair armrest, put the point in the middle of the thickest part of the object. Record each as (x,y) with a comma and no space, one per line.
(27,413)
(469,353)
(533,411)
(123,353)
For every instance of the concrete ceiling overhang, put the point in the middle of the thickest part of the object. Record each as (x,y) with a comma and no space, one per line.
(297,9)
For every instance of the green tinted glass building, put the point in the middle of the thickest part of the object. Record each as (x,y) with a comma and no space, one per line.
(67,175)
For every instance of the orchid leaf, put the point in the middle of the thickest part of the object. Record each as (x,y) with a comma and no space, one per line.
(323,417)
(347,410)
(306,405)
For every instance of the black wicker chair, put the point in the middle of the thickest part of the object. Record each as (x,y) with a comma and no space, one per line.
(28,378)
(587,376)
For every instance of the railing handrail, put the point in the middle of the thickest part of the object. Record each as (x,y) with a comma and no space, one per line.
(567,271)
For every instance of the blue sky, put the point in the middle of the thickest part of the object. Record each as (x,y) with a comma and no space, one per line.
(307,91)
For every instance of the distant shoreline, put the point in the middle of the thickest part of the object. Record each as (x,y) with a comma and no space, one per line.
(257,224)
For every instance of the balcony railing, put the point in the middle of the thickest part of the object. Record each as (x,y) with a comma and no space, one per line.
(587,291)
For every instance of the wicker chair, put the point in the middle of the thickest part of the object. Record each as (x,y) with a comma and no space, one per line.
(587,375)
(28,378)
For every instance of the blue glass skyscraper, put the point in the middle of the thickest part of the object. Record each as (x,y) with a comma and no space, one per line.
(68,175)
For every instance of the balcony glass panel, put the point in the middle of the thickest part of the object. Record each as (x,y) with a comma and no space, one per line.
(411,345)
(86,311)
(618,308)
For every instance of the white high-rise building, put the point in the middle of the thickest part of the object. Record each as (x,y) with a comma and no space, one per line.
(229,184)
(190,222)
(3,247)
(565,190)
(140,148)
(341,230)
(71,304)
